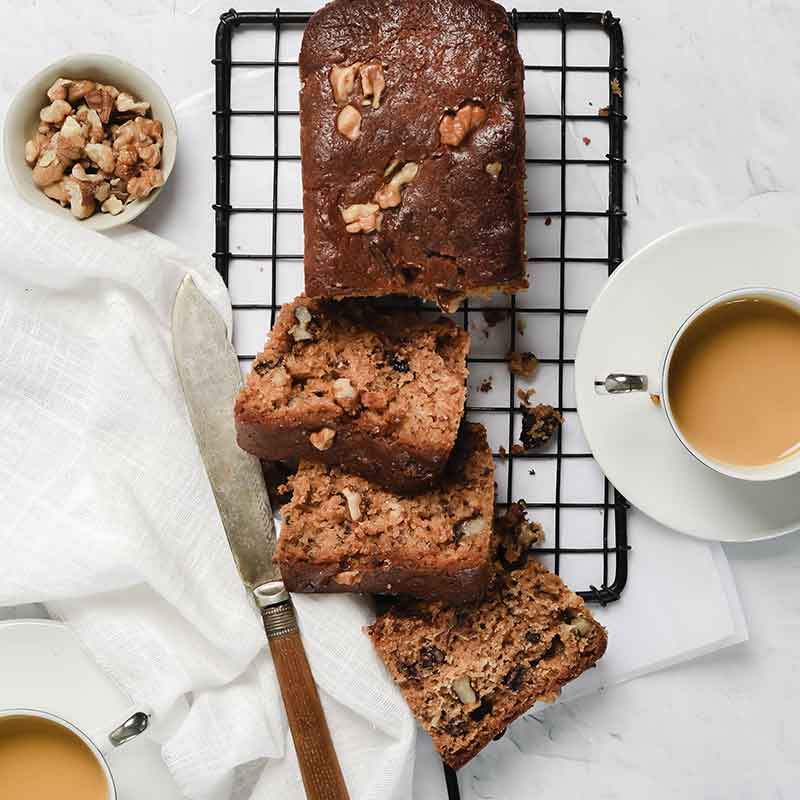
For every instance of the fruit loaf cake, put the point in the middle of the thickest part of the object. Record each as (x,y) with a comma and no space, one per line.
(375,392)
(468,672)
(413,150)
(341,533)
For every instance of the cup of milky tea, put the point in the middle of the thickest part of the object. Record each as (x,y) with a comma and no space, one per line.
(43,757)
(730,384)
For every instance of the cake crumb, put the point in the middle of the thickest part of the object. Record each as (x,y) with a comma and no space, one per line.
(276,474)
(525,395)
(655,399)
(523,364)
(517,450)
(539,423)
(502,452)
(521,327)
(515,535)
(494,315)
(603,112)
(486,385)
(616,88)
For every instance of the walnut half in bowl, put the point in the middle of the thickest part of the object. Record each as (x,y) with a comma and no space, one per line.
(115,140)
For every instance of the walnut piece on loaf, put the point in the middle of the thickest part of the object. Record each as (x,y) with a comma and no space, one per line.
(377,91)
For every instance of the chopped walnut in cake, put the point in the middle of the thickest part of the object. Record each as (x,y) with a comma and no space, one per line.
(345,394)
(456,125)
(494,168)
(343,80)
(367,217)
(388,196)
(362,218)
(300,332)
(323,438)
(348,123)
(373,83)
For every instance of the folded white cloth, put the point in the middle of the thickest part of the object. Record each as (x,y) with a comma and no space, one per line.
(107,517)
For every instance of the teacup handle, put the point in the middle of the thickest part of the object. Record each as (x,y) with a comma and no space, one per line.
(136,722)
(620,383)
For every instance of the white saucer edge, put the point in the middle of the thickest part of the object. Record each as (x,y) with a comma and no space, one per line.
(617,480)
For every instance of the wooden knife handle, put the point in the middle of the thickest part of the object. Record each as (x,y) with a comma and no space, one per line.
(319,766)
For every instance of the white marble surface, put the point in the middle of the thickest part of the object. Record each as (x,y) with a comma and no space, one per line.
(713,125)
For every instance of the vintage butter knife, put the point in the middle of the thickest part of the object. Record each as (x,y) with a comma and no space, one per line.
(209,372)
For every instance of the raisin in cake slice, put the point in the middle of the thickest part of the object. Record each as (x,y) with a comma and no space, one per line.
(412,131)
(468,672)
(375,392)
(342,533)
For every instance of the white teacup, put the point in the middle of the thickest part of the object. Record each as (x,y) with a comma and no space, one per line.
(623,383)
(98,743)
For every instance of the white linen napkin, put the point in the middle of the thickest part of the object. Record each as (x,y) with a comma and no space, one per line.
(107,517)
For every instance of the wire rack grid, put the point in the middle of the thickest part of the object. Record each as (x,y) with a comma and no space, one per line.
(574,86)
(257,158)
(569,92)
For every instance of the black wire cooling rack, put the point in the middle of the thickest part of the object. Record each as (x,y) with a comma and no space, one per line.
(558,55)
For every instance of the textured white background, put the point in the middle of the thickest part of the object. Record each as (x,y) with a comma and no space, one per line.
(711,96)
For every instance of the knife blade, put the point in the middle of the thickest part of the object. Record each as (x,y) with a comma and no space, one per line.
(208,369)
(211,379)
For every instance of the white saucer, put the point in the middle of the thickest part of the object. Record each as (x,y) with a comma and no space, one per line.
(44,666)
(628,330)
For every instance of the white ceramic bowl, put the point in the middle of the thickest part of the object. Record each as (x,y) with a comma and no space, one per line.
(23,117)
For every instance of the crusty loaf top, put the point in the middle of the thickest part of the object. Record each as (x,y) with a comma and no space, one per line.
(457,226)
(435,54)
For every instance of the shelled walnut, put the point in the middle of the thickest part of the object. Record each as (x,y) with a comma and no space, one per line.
(343,83)
(343,80)
(367,217)
(388,196)
(323,438)
(95,147)
(353,503)
(348,123)
(372,84)
(362,218)
(455,125)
